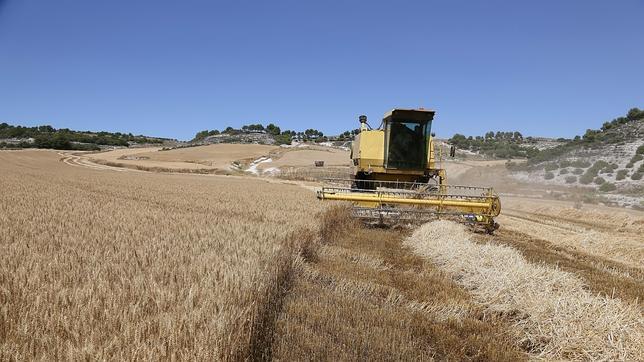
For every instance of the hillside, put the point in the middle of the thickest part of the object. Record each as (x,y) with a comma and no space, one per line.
(66,139)
(503,145)
(609,161)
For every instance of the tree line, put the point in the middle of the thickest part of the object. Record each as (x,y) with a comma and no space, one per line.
(281,137)
(493,144)
(47,136)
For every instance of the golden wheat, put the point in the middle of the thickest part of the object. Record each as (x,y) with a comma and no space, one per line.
(130,265)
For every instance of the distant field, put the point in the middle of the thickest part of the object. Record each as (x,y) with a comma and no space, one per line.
(219,155)
(307,157)
(222,158)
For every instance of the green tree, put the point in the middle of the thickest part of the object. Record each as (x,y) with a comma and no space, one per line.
(273,129)
(283,139)
(635,114)
(253,127)
(460,141)
(201,135)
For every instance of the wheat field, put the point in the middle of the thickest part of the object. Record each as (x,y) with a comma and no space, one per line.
(129,265)
(100,262)
(221,158)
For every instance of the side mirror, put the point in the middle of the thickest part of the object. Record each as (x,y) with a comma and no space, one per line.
(452,151)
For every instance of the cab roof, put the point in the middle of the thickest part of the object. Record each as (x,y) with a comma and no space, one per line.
(410,114)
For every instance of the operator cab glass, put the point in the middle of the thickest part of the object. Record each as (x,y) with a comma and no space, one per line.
(407,139)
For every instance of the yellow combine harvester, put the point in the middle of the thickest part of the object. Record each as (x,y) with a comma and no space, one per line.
(395,176)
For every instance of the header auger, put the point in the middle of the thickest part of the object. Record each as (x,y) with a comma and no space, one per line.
(395,177)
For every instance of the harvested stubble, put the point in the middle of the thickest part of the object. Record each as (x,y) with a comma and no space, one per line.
(622,243)
(603,276)
(614,220)
(557,316)
(361,296)
(131,265)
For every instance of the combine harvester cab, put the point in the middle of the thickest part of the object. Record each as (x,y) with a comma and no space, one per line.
(395,177)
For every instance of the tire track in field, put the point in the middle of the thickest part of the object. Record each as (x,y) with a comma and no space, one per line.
(621,245)
(569,224)
(603,275)
(78,161)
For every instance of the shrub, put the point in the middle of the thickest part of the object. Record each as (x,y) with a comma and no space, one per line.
(607,187)
(282,139)
(586,178)
(637,176)
(640,150)
(598,165)
(609,168)
(636,158)
(563,171)
(551,166)
(515,166)
(571,179)
(589,199)
(629,165)
(549,176)
(599,180)
(578,171)
(621,174)
(592,172)
(580,163)
(565,163)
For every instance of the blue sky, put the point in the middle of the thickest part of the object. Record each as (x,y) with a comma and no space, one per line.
(172,68)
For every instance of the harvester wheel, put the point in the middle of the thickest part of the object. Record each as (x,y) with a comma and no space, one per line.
(489,228)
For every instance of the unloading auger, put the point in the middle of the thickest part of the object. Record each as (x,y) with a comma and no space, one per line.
(395,177)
